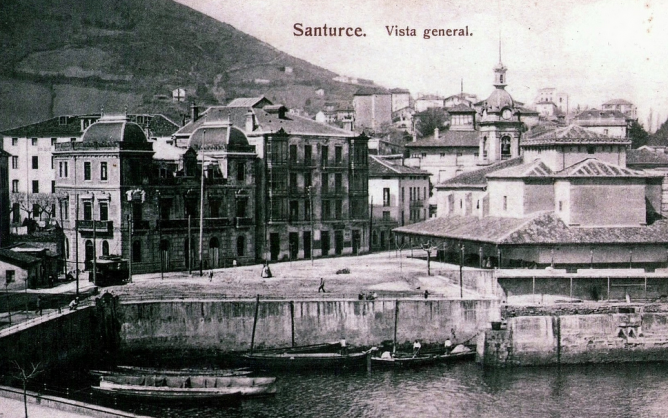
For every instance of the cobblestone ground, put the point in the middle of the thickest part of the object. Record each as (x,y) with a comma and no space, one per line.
(387,274)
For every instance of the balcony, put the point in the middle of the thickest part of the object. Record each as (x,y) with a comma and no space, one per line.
(99,227)
(244,222)
(340,165)
(302,164)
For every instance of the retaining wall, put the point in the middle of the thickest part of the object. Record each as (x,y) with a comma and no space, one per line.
(228,325)
(574,339)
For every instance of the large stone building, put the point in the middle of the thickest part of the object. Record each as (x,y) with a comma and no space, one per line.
(556,205)
(32,174)
(116,199)
(621,105)
(606,122)
(398,195)
(312,179)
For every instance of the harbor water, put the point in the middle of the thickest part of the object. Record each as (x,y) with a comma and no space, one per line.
(455,390)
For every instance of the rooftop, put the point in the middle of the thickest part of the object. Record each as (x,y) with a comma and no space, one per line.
(618,102)
(571,134)
(646,157)
(541,228)
(536,168)
(591,167)
(448,139)
(371,90)
(17,258)
(381,167)
(478,178)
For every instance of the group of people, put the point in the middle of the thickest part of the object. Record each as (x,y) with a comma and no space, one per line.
(369,296)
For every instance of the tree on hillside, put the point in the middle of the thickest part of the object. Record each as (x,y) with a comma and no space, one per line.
(430,119)
(638,135)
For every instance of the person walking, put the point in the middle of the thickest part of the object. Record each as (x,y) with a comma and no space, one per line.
(39,307)
(210,276)
(322,286)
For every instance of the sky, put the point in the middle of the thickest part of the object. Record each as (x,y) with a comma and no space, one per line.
(594,50)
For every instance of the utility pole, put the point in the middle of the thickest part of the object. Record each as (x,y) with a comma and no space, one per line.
(461,271)
(130,248)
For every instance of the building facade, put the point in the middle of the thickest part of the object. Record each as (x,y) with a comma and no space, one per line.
(373,108)
(398,196)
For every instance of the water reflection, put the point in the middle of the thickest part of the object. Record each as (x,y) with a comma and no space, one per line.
(610,391)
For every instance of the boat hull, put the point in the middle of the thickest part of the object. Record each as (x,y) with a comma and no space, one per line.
(420,361)
(306,361)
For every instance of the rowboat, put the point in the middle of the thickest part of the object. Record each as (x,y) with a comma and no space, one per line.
(185,389)
(408,360)
(291,360)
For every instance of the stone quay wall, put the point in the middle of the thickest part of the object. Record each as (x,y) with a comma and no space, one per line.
(227,325)
(576,339)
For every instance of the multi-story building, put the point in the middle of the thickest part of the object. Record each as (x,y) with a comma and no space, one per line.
(429,101)
(4,198)
(606,122)
(550,95)
(398,196)
(373,108)
(621,105)
(32,174)
(313,179)
(116,199)
(401,98)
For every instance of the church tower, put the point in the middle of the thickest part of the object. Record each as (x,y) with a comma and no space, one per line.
(500,124)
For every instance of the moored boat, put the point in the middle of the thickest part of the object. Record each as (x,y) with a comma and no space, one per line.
(133,370)
(408,360)
(185,389)
(291,360)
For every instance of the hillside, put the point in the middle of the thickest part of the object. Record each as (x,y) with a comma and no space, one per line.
(75,56)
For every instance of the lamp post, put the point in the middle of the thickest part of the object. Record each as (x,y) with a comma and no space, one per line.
(461,271)
(130,247)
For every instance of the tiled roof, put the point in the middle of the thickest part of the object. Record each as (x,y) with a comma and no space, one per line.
(525,111)
(478,178)
(50,127)
(541,228)
(399,90)
(293,124)
(618,102)
(162,126)
(591,167)
(247,101)
(537,168)
(380,167)
(460,108)
(17,259)
(609,116)
(571,134)
(371,90)
(430,97)
(646,157)
(449,139)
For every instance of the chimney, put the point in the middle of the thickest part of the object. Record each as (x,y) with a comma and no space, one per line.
(194,112)
(250,121)
(436,134)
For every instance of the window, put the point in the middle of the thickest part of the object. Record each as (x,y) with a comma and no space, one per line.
(87,170)
(423,155)
(136,252)
(15,186)
(62,169)
(104,211)
(293,153)
(561,205)
(241,171)
(505,147)
(591,150)
(501,78)
(308,179)
(326,210)
(293,182)
(15,141)
(53,142)
(442,155)
(35,186)
(386,215)
(605,131)
(505,202)
(294,210)
(62,120)
(324,156)
(53,163)
(15,162)
(16,213)
(103,170)
(386,196)
(35,210)
(53,186)
(338,208)
(35,162)
(34,142)
(88,210)
(307,210)
(105,247)
(338,154)
(214,208)
(136,212)
(308,150)
(338,183)
(403,189)
(325,183)
(65,209)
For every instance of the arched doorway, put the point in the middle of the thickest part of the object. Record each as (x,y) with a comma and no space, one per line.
(88,263)
(136,252)
(214,253)
(105,247)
